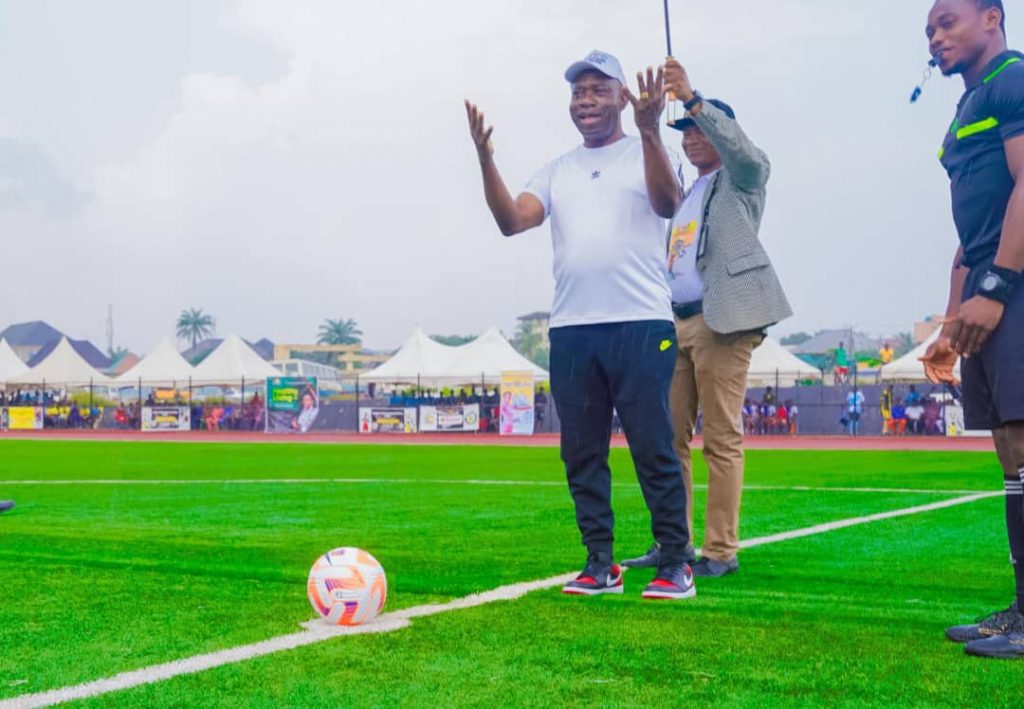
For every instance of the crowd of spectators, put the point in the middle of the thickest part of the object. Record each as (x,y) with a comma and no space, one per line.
(916,414)
(33,397)
(770,417)
(224,416)
(445,397)
(128,417)
(59,411)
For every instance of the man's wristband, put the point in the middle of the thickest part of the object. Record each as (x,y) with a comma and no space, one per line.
(998,284)
(692,103)
(1007,274)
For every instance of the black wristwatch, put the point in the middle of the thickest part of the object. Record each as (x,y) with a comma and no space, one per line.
(998,283)
(692,103)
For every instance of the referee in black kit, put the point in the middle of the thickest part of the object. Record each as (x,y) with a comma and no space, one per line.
(983,154)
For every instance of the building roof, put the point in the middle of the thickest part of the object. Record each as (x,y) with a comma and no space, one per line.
(85,349)
(36,332)
(264,348)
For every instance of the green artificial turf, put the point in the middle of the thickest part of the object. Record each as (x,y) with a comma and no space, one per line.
(100,579)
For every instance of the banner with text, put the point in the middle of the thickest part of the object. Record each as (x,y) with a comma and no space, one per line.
(166,418)
(22,418)
(515,412)
(293,404)
(387,419)
(458,417)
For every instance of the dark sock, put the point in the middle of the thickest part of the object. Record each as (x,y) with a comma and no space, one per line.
(1015,531)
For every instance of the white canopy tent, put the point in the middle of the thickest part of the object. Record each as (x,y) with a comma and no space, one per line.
(488,356)
(62,367)
(430,364)
(233,361)
(10,364)
(909,368)
(774,365)
(418,359)
(162,365)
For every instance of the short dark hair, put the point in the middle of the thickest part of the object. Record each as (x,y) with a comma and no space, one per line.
(997,4)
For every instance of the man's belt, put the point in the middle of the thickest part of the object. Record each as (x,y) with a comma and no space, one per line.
(687,310)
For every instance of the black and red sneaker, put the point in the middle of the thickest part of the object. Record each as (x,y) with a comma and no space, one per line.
(672,583)
(595,579)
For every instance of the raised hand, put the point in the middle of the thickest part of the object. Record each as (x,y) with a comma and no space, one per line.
(677,81)
(481,136)
(647,107)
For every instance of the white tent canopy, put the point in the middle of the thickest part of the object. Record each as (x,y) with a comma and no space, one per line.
(61,367)
(231,362)
(432,364)
(162,365)
(771,363)
(909,368)
(488,356)
(419,356)
(10,364)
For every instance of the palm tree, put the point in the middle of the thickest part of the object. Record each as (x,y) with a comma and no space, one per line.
(339,332)
(193,325)
(530,343)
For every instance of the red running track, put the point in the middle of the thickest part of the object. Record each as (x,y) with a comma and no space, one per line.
(860,443)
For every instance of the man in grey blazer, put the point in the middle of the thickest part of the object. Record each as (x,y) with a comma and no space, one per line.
(725,294)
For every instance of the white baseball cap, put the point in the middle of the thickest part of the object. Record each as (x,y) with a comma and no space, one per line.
(597,61)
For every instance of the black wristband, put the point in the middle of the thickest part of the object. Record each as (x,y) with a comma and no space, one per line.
(692,103)
(1007,274)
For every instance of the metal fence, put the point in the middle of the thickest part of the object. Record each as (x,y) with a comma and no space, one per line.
(822,410)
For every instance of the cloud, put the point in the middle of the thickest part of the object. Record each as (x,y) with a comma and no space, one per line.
(29,180)
(343,184)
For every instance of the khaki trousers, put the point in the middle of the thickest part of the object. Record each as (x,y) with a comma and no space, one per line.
(711,371)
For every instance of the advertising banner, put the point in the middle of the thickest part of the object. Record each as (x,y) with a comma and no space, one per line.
(458,417)
(166,418)
(387,419)
(293,404)
(515,413)
(23,418)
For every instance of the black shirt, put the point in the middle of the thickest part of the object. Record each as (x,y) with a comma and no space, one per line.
(980,181)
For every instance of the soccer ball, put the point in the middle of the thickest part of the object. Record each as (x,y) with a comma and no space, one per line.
(347,586)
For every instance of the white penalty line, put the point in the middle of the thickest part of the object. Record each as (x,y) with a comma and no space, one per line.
(316,632)
(419,481)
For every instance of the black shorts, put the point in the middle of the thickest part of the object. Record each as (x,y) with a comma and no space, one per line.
(993,379)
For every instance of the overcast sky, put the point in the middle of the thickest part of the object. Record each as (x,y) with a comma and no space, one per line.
(279,163)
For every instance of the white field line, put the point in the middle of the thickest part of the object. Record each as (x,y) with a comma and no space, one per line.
(418,481)
(315,632)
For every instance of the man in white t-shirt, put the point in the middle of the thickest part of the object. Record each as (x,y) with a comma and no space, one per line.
(612,338)
(854,409)
(914,413)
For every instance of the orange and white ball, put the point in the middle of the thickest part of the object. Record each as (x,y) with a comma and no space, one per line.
(347,586)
